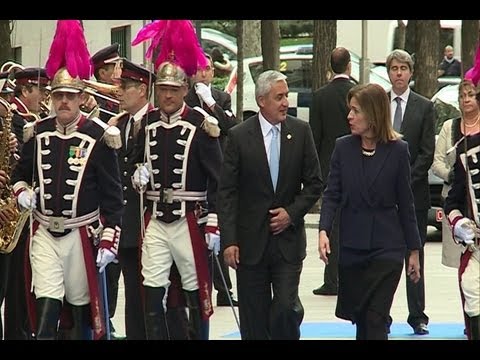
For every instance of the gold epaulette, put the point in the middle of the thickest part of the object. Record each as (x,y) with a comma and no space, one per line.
(209,123)
(29,128)
(111,135)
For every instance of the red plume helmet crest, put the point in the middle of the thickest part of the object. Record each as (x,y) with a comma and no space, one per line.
(68,55)
(176,42)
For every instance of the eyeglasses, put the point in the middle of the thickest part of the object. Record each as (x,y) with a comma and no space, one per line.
(57,96)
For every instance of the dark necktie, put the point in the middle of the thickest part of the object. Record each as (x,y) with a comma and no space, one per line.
(397,118)
(130,133)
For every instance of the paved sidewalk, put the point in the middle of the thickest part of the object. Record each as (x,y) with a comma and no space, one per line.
(442,297)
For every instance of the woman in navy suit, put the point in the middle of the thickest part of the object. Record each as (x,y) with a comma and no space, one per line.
(369,181)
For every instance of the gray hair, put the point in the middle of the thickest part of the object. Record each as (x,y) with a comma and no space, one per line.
(266,80)
(401,56)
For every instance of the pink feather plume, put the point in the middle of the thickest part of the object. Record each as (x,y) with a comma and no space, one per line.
(473,74)
(69,49)
(177,42)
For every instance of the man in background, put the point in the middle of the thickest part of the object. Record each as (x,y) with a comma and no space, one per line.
(449,65)
(328,120)
(218,104)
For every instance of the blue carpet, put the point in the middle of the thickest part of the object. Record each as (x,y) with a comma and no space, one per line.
(340,330)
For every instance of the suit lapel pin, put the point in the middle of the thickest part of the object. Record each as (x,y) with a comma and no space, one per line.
(289,136)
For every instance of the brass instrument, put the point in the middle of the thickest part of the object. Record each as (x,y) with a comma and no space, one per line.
(10,66)
(10,232)
(106,91)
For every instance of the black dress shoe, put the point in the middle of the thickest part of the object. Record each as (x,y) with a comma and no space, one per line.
(421,329)
(325,290)
(222,300)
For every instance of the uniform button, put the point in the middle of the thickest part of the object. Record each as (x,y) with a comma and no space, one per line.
(125,159)
(125,173)
(125,202)
(125,188)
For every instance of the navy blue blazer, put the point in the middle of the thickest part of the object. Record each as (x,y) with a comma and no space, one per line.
(377,208)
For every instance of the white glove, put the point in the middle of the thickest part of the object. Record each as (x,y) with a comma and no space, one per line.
(141,176)
(27,199)
(464,231)
(205,93)
(213,242)
(104,257)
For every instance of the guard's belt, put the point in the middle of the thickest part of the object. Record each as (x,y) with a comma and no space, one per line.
(60,224)
(168,195)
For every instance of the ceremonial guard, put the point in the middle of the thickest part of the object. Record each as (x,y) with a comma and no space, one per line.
(103,62)
(29,92)
(68,176)
(182,163)
(7,87)
(462,203)
(135,89)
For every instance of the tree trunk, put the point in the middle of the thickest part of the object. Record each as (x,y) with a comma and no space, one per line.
(324,41)
(251,35)
(270,44)
(426,62)
(240,75)
(6,52)
(401,32)
(470,36)
(410,35)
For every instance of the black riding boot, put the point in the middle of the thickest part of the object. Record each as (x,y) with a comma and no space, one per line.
(48,314)
(81,329)
(155,320)
(474,327)
(177,320)
(197,327)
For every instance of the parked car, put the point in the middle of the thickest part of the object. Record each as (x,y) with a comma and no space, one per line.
(298,68)
(227,44)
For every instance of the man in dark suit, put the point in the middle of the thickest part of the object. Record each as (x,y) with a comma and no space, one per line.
(269,180)
(218,104)
(414,117)
(328,119)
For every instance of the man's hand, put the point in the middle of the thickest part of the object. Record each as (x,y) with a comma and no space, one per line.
(413,268)
(6,216)
(212,238)
(464,231)
(205,93)
(231,256)
(141,176)
(104,257)
(13,143)
(89,103)
(27,199)
(279,220)
(4,178)
(323,246)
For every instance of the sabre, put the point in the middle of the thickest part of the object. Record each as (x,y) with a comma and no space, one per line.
(103,283)
(226,287)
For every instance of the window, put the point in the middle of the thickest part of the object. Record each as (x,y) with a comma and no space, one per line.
(17,54)
(122,35)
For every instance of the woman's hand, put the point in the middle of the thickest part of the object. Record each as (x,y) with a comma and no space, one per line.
(323,246)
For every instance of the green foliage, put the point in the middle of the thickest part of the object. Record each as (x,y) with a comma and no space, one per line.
(296,41)
(288,28)
(220,82)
